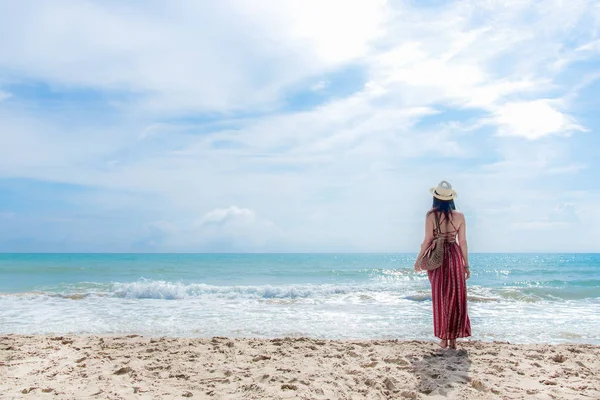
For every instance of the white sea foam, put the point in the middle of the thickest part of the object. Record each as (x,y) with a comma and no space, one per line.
(368,310)
(378,291)
(169,290)
(388,317)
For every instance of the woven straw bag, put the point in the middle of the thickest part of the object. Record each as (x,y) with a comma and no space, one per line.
(433,257)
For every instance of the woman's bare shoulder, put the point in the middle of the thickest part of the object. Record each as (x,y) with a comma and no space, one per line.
(458,215)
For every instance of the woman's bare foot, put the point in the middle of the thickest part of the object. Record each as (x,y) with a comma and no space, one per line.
(443,343)
(453,343)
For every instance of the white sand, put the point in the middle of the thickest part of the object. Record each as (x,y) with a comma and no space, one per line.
(135,367)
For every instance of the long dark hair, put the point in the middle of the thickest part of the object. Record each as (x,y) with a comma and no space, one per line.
(443,206)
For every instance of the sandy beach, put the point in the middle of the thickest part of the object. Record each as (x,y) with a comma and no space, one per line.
(136,367)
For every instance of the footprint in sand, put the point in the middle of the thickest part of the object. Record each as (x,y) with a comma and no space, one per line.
(123,370)
(409,395)
(478,385)
(559,358)
(390,383)
(398,361)
(370,365)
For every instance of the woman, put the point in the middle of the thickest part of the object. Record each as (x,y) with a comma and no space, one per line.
(448,282)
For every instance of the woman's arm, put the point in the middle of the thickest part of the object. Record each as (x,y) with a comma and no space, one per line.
(462,242)
(427,241)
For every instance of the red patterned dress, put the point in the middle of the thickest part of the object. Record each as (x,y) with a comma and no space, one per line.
(449,292)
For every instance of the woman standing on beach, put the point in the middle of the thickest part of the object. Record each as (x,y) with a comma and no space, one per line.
(448,282)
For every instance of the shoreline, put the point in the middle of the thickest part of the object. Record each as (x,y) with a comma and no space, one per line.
(141,367)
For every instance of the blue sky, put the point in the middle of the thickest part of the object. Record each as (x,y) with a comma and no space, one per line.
(306,125)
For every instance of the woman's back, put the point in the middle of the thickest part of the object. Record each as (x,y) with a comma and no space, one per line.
(450,225)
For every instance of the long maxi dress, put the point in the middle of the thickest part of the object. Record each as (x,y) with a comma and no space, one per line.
(449,292)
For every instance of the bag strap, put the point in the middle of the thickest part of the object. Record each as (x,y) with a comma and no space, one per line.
(437,221)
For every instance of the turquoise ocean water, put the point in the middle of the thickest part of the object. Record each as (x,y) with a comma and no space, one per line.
(521,298)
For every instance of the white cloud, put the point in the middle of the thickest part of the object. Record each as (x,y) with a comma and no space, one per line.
(189,57)
(337,30)
(563,216)
(531,161)
(38,147)
(540,225)
(458,57)
(231,214)
(533,120)
(591,46)
(4,95)
(319,86)
(222,229)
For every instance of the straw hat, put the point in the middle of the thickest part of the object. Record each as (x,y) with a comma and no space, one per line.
(444,191)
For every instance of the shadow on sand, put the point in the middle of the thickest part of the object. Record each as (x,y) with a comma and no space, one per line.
(442,371)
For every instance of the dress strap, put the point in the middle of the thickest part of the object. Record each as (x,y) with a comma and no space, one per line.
(451,223)
(437,231)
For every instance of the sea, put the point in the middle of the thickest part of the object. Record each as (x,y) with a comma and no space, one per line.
(516,298)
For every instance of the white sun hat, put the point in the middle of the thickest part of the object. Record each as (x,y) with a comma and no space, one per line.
(444,191)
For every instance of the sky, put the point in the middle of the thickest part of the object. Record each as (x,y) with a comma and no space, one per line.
(297,125)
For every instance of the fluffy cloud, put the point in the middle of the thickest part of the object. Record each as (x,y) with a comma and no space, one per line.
(222,229)
(231,215)
(189,57)
(533,120)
